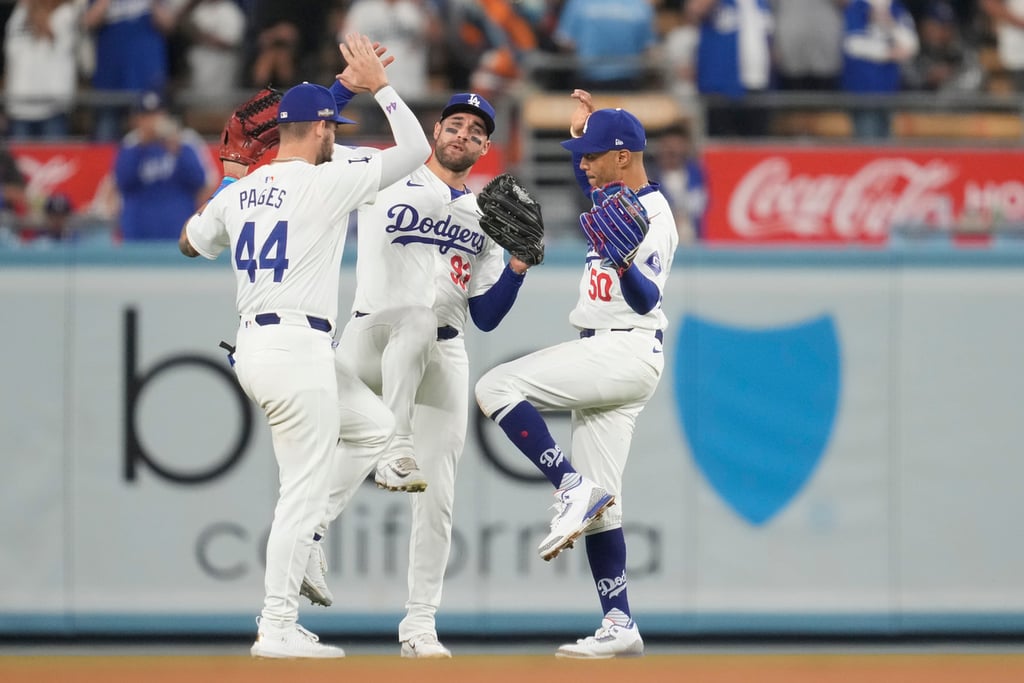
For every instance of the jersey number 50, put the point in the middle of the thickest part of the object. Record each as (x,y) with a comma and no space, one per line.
(600,285)
(276,244)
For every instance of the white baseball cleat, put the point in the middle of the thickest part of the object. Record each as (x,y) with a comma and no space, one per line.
(314,582)
(611,640)
(400,474)
(578,504)
(425,646)
(291,642)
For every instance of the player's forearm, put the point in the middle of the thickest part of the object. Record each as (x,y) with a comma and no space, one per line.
(641,294)
(342,95)
(184,245)
(489,308)
(411,147)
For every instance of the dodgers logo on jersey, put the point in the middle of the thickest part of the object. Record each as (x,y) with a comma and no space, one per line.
(757,407)
(654,263)
(443,233)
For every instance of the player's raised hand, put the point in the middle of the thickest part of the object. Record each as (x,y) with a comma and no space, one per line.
(364,64)
(584,108)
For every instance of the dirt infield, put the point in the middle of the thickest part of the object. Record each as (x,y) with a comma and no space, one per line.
(703,668)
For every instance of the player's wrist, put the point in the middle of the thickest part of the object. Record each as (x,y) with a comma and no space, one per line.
(517,266)
(233,169)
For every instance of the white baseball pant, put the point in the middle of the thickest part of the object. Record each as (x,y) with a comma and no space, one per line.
(605,380)
(288,370)
(389,351)
(439,429)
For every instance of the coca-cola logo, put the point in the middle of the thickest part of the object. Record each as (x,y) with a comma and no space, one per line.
(772,201)
(44,175)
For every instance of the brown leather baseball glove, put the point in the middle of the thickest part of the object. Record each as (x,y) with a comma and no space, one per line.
(251,129)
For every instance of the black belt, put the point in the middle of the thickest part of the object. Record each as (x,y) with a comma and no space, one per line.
(444,332)
(316,323)
(587,332)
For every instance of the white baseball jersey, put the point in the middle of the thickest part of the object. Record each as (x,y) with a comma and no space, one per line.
(418,246)
(468,268)
(601,305)
(606,378)
(285,224)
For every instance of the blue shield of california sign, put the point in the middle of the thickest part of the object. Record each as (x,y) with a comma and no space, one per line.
(757,407)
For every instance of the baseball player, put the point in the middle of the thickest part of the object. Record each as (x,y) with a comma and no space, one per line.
(424,269)
(605,377)
(284,225)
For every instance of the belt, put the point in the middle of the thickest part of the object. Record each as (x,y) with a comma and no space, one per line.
(588,332)
(264,319)
(444,332)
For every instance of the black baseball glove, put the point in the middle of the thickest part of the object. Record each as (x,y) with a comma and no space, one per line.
(511,217)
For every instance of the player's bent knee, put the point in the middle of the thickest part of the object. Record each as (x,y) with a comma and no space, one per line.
(386,425)
(493,392)
(374,432)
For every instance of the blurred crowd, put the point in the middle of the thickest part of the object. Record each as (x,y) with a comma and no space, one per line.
(198,55)
(203,51)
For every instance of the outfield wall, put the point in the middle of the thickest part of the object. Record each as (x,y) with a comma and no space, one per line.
(835,447)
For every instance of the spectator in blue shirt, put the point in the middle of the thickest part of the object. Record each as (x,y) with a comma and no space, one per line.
(680,172)
(159,177)
(610,39)
(733,60)
(880,37)
(131,53)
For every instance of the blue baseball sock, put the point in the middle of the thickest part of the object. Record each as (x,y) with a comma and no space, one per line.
(606,552)
(527,430)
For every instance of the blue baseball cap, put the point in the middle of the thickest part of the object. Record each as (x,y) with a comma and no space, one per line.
(309,102)
(941,12)
(149,102)
(471,103)
(608,129)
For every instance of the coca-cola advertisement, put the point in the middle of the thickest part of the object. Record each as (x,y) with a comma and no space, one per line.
(830,195)
(76,169)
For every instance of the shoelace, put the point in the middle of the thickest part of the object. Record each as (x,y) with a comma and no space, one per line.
(404,465)
(559,507)
(601,632)
(307,633)
(322,558)
(426,639)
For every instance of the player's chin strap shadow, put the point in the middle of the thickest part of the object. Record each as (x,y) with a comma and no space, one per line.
(231,352)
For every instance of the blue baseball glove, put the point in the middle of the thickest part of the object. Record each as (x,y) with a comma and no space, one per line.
(616,225)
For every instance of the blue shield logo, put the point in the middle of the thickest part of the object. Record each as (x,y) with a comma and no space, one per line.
(757,407)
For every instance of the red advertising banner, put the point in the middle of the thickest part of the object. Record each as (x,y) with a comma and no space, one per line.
(81,169)
(830,195)
(76,169)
